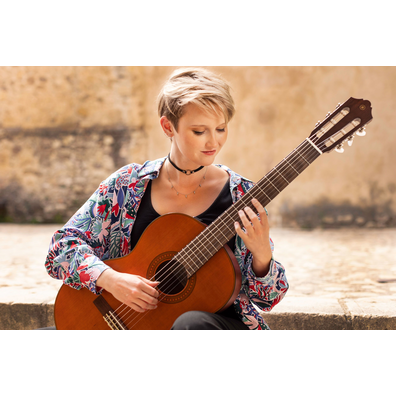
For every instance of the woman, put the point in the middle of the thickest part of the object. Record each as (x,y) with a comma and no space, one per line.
(195,107)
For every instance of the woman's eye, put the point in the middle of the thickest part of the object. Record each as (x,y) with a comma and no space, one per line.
(201,133)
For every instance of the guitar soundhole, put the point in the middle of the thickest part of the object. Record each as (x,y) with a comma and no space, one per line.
(172,277)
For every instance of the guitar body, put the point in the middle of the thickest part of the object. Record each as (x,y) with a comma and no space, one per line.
(212,288)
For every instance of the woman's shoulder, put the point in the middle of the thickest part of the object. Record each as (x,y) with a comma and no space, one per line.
(134,172)
(236,179)
(239,185)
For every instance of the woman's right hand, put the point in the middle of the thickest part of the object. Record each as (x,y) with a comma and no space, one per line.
(133,290)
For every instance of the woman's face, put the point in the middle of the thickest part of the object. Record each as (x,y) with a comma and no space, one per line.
(199,138)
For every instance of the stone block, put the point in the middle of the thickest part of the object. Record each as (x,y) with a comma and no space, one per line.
(17,316)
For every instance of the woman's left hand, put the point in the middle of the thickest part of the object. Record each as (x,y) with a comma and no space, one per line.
(256,236)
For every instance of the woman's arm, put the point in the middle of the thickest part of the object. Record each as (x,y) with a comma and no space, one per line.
(256,237)
(75,250)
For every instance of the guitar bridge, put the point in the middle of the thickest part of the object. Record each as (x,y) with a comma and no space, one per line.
(109,316)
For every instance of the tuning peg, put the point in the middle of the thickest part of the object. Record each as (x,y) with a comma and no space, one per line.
(350,140)
(318,123)
(339,104)
(340,148)
(361,132)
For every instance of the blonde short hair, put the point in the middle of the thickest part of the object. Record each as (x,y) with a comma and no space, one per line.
(199,86)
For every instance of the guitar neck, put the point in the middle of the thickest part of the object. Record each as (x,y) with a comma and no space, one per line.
(278,178)
(215,236)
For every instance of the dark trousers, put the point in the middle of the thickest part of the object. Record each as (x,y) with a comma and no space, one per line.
(199,320)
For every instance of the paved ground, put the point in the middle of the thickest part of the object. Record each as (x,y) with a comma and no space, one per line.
(339,279)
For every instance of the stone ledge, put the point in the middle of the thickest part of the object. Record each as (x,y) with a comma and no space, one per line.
(23,316)
(307,313)
(311,321)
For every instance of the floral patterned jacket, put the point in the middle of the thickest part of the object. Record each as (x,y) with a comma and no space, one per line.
(101,230)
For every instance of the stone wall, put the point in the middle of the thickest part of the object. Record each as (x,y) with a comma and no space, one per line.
(52,171)
(64,129)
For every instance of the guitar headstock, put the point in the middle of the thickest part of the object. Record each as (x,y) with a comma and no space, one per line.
(346,121)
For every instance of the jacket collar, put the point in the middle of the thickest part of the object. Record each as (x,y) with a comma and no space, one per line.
(151,169)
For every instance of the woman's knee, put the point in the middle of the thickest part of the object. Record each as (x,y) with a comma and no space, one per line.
(194,320)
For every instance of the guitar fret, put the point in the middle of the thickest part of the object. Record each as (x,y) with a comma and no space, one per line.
(292,167)
(278,180)
(272,183)
(190,262)
(210,242)
(204,245)
(282,176)
(302,157)
(198,246)
(186,262)
(219,229)
(259,187)
(214,235)
(228,228)
(221,240)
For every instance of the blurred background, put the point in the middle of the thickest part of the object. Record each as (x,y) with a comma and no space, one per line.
(65,129)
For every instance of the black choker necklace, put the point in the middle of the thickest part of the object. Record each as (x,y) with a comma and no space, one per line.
(187,172)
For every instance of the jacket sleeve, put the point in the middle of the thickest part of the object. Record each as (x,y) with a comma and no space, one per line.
(266,291)
(77,249)
(269,290)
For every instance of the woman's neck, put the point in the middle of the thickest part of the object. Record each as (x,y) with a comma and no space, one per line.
(187,172)
(183,180)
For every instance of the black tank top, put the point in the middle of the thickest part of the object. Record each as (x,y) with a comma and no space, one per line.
(146,213)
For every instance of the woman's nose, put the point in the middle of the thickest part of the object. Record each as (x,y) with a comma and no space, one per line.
(211,142)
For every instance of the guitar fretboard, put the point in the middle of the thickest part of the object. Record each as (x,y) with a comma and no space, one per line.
(215,236)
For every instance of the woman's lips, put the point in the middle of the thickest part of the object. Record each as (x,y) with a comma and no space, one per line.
(209,152)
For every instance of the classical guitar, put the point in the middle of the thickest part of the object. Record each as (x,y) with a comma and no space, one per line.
(188,258)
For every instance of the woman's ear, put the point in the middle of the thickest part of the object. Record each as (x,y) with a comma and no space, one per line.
(166,127)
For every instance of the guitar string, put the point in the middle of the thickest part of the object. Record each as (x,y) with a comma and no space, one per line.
(300,154)
(267,177)
(191,248)
(134,319)
(273,178)
(188,253)
(142,316)
(288,166)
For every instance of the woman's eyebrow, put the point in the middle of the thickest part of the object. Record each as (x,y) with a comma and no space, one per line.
(206,125)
